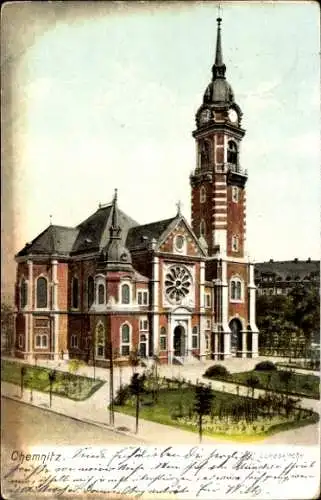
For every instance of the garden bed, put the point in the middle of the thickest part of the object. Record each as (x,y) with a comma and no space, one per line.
(76,387)
(301,365)
(299,384)
(231,417)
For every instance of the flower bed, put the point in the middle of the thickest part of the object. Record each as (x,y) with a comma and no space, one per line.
(66,384)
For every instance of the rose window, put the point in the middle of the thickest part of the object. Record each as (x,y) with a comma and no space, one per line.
(177,283)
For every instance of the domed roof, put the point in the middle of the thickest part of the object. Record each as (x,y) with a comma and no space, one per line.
(219,92)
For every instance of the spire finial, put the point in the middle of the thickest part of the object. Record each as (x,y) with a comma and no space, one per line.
(50,220)
(179,206)
(219,13)
(115,229)
(219,67)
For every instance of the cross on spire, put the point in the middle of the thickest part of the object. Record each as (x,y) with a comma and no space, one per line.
(50,219)
(219,11)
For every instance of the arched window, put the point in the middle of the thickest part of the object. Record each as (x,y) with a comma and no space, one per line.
(23,293)
(235,243)
(125,340)
(100,341)
(90,291)
(205,155)
(235,194)
(101,294)
(195,342)
(125,294)
(236,289)
(202,228)
(75,293)
(163,339)
(232,153)
(202,194)
(42,297)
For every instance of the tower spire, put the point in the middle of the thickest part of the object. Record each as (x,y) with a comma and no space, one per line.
(219,67)
(115,228)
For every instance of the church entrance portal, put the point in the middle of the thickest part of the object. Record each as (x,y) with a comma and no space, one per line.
(236,337)
(179,341)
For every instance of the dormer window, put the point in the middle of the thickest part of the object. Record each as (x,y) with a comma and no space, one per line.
(125,294)
(101,294)
(232,153)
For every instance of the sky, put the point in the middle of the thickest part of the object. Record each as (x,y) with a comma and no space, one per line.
(103,96)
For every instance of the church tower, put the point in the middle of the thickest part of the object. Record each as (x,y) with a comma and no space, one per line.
(219,212)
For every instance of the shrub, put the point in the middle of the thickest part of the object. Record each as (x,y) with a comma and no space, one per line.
(216,371)
(265,366)
(122,395)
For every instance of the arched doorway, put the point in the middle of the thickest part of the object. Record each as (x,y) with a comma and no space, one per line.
(236,336)
(179,341)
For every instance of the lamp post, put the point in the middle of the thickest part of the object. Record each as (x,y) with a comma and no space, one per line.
(22,376)
(111,383)
(91,350)
(52,377)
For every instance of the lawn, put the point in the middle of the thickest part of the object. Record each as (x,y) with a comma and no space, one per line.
(68,385)
(305,385)
(175,407)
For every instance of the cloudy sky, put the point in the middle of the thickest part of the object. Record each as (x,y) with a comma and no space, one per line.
(103,95)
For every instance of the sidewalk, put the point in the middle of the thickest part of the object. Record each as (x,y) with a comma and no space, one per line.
(95,409)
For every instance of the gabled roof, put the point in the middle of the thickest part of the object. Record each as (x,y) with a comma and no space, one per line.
(94,232)
(141,236)
(56,240)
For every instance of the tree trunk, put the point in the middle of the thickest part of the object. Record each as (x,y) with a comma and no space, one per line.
(137,412)
(200,427)
(111,385)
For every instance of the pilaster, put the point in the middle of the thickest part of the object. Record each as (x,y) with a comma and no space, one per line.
(155,304)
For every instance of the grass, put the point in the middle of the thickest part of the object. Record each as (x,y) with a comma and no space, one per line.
(175,408)
(67,385)
(304,385)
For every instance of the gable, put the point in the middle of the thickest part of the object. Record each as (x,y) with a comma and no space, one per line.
(180,240)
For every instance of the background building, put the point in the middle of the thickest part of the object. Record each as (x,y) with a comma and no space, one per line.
(279,277)
(164,288)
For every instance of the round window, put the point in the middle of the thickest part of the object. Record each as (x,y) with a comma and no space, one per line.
(177,284)
(179,242)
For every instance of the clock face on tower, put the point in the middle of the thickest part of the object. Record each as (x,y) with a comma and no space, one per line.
(205,116)
(233,116)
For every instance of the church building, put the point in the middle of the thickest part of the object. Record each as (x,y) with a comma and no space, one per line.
(182,293)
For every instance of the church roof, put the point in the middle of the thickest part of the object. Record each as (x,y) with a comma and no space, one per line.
(94,232)
(57,240)
(141,236)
